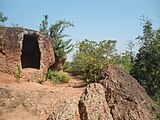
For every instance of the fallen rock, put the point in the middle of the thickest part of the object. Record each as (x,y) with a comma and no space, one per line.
(93,105)
(126,98)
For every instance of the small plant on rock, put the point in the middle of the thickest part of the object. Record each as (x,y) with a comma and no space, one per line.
(41,79)
(19,71)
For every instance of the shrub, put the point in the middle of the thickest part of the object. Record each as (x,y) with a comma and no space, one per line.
(147,62)
(157,107)
(57,77)
(158,116)
(67,67)
(41,79)
(18,73)
(92,56)
(156,98)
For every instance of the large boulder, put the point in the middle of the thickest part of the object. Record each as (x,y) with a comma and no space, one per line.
(126,98)
(93,105)
(27,47)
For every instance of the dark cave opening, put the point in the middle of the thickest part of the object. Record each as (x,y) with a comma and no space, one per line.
(30,57)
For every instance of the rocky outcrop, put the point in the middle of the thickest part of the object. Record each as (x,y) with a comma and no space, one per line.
(93,105)
(27,47)
(117,96)
(22,105)
(126,99)
(37,102)
(120,98)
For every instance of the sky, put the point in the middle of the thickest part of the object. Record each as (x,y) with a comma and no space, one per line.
(93,19)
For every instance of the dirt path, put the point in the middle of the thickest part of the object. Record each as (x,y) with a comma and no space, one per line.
(74,86)
(39,97)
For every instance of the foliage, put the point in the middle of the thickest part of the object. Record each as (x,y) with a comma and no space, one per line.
(2,18)
(147,63)
(15,25)
(157,109)
(57,29)
(126,61)
(158,117)
(156,98)
(56,32)
(77,64)
(62,47)
(19,71)
(67,67)
(41,79)
(57,77)
(92,56)
(44,25)
(127,58)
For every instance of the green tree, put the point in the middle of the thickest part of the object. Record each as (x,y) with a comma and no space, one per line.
(127,58)
(147,63)
(44,25)
(126,61)
(2,19)
(15,25)
(92,56)
(78,63)
(56,31)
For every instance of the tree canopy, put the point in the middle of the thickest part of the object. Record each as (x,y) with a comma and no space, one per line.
(147,62)
(56,32)
(3,18)
(92,56)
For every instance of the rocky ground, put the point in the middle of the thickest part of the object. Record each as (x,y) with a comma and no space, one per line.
(33,101)
(118,96)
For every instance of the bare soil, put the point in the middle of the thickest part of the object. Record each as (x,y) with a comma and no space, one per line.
(74,88)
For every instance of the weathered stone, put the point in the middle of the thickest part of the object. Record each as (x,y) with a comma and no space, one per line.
(118,96)
(27,47)
(92,104)
(67,110)
(126,98)
(33,101)
(59,62)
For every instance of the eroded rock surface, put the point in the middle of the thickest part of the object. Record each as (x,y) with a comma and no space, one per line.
(117,96)
(93,105)
(59,62)
(33,101)
(67,110)
(126,99)
(27,47)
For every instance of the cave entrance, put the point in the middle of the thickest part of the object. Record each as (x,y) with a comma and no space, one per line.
(30,57)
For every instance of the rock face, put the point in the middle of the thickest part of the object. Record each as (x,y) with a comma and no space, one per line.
(27,47)
(37,102)
(120,98)
(93,105)
(67,110)
(126,99)
(59,62)
(117,96)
